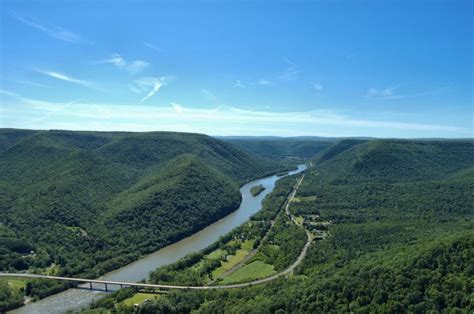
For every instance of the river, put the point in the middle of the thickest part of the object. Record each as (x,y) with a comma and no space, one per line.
(75,299)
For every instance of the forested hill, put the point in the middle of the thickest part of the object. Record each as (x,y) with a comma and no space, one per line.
(134,151)
(399,216)
(291,148)
(394,160)
(88,202)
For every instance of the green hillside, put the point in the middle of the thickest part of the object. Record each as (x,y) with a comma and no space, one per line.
(394,160)
(282,148)
(88,202)
(400,238)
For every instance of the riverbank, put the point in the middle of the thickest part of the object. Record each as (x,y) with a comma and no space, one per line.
(182,275)
(74,299)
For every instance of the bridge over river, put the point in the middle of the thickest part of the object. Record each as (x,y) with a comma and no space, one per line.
(139,285)
(130,275)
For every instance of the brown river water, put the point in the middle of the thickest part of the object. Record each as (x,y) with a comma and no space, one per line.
(76,299)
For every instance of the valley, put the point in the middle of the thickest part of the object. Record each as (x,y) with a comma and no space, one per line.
(384,239)
(371,207)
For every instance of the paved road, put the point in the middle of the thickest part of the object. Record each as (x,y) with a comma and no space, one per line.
(166,287)
(254,251)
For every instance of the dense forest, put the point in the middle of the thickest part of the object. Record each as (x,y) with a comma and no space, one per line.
(292,149)
(88,202)
(400,238)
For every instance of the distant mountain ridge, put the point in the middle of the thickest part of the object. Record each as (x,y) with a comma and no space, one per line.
(394,160)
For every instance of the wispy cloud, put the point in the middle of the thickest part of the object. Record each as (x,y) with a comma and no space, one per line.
(52,30)
(238,84)
(151,46)
(289,62)
(24,82)
(210,95)
(380,93)
(390,93)
(149,85)
(264,82)
(318,87)
(222,120)
(291,73)
(133,67)
(10,94)
(177,107)
(66,78)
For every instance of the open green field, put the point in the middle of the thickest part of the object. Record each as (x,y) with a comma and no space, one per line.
(139,298)
(304,199)
(215,254)
(15,283)
(254,270)
(232,260)
(248,245)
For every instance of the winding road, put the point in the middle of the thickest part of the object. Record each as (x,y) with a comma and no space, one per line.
(285,272)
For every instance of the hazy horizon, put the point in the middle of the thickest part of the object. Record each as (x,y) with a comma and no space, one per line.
(330,69)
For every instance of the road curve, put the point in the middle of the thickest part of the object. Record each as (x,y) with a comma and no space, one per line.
(285,272)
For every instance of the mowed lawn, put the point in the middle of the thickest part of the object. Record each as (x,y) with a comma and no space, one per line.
(232,260)
(139,298)
(255,270)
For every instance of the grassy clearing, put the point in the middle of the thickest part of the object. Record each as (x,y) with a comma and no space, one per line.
(216,254)
(304,199)
(299,220)
(139,298)
(248,245)
(232,260)
(52,270)
(255,270)
(15,283)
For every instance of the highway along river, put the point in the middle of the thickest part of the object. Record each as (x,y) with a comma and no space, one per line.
(75,299)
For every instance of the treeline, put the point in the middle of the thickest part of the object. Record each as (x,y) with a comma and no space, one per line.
(283,245)
(9,298)
(400,241)
(287,149)
(84,203)
(281,248)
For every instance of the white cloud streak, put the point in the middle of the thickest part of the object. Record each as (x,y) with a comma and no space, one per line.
(390,93)
(132,67)
(148,85)
(380,93)
(264,82)
(52,31)
(238,84)
(177,107)
(67,78)
(210,96)
(151,46)
(291,73)
(221,120)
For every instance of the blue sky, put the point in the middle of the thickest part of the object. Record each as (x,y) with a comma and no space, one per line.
(339,68)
